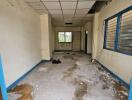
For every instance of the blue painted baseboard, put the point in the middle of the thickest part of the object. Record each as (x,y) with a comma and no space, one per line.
(115,76)
(22,77)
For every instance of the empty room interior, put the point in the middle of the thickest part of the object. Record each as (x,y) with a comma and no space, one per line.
(65,49)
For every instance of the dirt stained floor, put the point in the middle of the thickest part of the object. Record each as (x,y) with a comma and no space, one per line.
(76,78)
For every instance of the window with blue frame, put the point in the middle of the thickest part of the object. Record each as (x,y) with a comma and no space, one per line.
(118,32)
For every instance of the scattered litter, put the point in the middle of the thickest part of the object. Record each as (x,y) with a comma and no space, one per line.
(120,92)
(77,78)
(56,61)
(93,61)
(68,53)
(81,89)
(43,69)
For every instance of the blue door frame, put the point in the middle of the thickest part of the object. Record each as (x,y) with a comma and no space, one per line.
(130,93)
(2,83)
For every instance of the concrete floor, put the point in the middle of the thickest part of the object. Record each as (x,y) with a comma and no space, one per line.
(76,78)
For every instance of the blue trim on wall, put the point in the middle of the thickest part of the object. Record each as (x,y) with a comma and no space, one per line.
(118,15)
(130,93)
(115,76)
(117,32)
(118,51)
(2,83)
(23,76)
(105,33)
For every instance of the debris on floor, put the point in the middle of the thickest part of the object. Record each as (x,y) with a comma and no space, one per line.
(25,90)
(120,92)
(43,69)
(80,89)
(76,78)
(68,73)
(54,61)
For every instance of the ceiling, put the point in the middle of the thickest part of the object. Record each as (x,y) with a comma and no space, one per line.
(64,11)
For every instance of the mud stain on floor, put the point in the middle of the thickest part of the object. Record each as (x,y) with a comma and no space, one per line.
(80,89)
(84,79)
(25,90)
(80,86)
(68,73)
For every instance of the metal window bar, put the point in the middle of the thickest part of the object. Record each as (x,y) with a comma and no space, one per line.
(110,34)
(125,36)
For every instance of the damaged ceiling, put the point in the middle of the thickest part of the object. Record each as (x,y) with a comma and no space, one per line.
(75,12)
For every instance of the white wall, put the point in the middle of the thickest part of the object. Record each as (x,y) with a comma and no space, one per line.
(95,35)
(47,37)
(82,39)
(51,35)
(118,63)
(19,39)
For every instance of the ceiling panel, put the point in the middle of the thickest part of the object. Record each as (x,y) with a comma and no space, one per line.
(58,17)
(68,20)
(82,11)
(49,0)
(55,11)
(68,5)
(79,15)
(68,16)
(78,19)
(65,14)
(52,5)
(69,0)
(85,4)
(68,11)
(58,20)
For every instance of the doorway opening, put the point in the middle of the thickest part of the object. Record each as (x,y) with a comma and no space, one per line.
(85,41)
